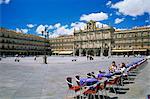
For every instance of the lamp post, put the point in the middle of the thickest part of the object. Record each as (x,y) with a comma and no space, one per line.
(45,33)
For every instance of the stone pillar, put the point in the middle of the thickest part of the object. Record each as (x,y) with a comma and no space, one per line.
(95,52)
(74,51)
(109,52)
(102,50)
(86,52)
(80,51)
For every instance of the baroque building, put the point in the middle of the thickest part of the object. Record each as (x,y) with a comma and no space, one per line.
(12,43)
(62,45)
(134,41)
(93,40)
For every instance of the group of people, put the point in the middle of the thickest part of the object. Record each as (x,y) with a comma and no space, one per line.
(17,59)
(90,57)
(114,67)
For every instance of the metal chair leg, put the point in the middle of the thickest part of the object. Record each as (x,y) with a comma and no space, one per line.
(102,94)
(114,90)
(105,92)
(98,95)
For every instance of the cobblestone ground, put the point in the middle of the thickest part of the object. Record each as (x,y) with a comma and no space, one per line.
(29,79)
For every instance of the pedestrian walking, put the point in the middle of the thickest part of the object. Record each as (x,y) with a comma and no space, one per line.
(34,57)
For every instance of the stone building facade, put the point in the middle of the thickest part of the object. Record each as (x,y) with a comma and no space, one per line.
(62,45)
(93,41)
(12,43)
(134,41)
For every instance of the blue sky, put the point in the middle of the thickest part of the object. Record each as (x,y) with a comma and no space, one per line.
(61,16)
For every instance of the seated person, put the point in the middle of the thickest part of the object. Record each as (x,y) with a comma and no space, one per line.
(113,67)
(122,68)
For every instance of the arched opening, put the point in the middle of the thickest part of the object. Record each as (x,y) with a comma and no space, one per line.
(83,52)
(148,52)
(98,52)
(106,50)
(91,52)
(77,53)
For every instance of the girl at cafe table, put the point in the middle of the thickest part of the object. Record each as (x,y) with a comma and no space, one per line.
(113,67)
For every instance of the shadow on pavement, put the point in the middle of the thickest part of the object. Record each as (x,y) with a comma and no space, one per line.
(96,97)
(128,82)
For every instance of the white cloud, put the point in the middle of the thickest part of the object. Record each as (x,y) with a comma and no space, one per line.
(57,25)
(78,25)
(22,30)
(62,30)
(18,30)
(4,1)
(59,29)
(55,30)
(50,27)
(101,25)
(117,20)
(108,3)
(133,7)
(40,28)
(31,25)
(53,35)
(94,16)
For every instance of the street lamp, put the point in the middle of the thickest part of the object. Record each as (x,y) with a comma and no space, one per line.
(45,33)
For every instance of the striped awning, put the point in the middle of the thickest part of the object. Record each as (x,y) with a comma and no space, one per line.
(129,50)
(56,52)
(65,52)
(142,50)
(121,50)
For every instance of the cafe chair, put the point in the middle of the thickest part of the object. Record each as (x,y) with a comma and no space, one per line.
(89,75)
(77,78)
(91,91)
(93,74)
(102,88)
(74,88)
(112,83)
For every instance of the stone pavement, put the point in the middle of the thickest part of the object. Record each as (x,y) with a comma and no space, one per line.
(140,87)
(29,79)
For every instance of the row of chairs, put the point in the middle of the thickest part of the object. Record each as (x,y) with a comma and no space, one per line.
(93,91)
(83,91)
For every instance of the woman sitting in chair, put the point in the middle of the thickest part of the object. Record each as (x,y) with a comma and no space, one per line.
(113,67)
(122,67)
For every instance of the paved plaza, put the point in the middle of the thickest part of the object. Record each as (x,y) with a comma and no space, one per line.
(29,79)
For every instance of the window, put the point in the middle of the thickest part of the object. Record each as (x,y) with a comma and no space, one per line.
(3,47)
(142,45)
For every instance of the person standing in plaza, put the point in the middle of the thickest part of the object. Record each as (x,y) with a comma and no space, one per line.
(34,57)
(87,57)
(17,58)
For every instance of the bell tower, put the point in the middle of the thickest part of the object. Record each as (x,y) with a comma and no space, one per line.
(91,25)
